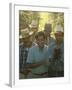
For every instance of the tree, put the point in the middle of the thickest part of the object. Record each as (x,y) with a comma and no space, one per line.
(26,17)
(56,18)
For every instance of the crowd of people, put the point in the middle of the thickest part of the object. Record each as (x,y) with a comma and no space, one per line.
(40,55)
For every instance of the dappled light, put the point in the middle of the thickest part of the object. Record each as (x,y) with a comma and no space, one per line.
(53,18)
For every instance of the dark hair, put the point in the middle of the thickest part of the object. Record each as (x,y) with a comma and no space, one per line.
(41,33)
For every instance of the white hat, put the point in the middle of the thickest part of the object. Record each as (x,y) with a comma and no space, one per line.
(25,33)
(58,29)
(33,24)
(20,36)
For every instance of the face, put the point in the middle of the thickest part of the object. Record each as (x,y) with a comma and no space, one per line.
(27,41)
(59,36)
(40,41)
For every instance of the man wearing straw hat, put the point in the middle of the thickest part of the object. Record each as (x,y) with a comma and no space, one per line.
(23,51)
(56,54)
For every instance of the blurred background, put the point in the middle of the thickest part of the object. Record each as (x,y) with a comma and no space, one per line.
(53,18)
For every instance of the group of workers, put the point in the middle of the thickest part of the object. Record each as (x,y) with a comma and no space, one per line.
(40,55)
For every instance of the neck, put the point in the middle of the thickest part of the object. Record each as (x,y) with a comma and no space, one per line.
(41,48)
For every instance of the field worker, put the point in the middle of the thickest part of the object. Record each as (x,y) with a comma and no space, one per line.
(37,57)
(56,54)
(23,50)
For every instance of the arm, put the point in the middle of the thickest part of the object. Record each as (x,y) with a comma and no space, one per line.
(37,64)
(34,65)
(29,67)
(31,59)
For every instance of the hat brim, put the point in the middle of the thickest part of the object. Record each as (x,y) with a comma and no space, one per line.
(59,33)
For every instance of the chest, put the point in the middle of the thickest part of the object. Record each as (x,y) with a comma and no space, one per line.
(40,55)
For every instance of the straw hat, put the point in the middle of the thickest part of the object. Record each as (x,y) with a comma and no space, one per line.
(26,33)
(59,29)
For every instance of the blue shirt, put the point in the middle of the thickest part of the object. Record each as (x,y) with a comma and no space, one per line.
(36,55)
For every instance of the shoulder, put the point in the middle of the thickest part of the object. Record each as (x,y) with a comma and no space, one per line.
(52,45)
(33,47)
(21,45)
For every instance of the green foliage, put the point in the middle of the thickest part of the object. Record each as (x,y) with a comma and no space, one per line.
(26,17)
(56,18)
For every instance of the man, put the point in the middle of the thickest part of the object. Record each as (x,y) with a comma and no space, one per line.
(47,30)
(37,57)
(56,55)
(23,51)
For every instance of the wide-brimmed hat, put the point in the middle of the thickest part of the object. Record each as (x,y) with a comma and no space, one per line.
(47,27)
(26,33)
(33,24)
(59,29)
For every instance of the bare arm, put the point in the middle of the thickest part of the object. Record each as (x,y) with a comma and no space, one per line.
(34,65)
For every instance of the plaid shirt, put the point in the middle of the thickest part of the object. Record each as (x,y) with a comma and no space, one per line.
(23,52)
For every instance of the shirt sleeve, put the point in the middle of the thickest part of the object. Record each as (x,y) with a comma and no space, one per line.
(30,57)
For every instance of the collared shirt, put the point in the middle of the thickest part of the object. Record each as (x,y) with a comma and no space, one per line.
(23,53)
(35,55)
